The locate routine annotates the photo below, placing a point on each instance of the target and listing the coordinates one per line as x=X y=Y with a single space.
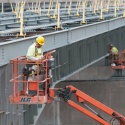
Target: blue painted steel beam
x=62 y=23
x=12 y=49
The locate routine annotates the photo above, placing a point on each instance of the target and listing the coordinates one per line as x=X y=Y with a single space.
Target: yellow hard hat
x=40 y=40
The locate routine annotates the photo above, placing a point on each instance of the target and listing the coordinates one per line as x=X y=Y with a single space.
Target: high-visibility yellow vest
x=34 y=52
x=114 y=51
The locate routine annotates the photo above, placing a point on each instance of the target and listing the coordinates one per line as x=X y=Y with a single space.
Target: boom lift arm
x=66 y=93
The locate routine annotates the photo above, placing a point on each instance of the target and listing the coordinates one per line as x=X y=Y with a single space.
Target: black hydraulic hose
x=94 y=112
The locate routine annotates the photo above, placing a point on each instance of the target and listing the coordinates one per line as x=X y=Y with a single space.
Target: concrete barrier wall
x=94 y=73
x=100 y=70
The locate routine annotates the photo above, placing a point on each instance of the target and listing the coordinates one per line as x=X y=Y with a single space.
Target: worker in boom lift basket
x=114 y=54
x=35 y=53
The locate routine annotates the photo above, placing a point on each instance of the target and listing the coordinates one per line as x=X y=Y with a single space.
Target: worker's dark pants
x=41 y=78
x=116 y=57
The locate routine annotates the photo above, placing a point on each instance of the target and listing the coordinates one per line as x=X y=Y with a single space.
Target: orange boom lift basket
x=20 y=83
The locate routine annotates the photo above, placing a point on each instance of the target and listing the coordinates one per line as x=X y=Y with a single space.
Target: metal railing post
x=69 y=9
x=83 y=17
x=95 y=5
x=12 y=7
x=51 y=6
x=28 y=5
x=115 y=10
x=101 y=12
x=39 y=8
x=107 y=8
x=32 y=6
x=124 y=11
x=36 y=6
x=78 y=8
x=55 y=11
x=48 y=13
x=58 y=19
x=2 y=7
